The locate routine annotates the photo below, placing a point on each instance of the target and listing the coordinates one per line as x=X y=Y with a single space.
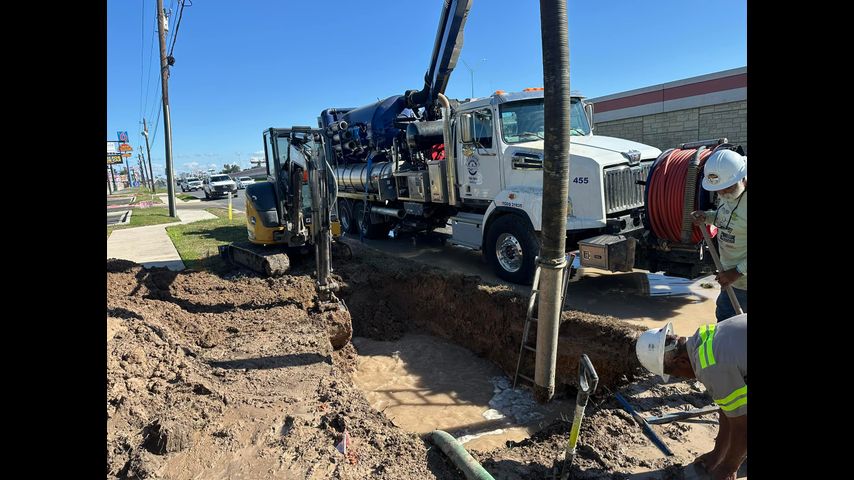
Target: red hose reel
x=666 y=194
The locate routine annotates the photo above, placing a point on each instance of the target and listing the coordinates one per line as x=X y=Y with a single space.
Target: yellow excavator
x=294 y=210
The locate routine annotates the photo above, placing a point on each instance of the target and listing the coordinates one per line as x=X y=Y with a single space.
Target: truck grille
x=621 y=189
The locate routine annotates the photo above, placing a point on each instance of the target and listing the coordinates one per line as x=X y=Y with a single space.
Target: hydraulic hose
x=665 y=194
x=458 y=454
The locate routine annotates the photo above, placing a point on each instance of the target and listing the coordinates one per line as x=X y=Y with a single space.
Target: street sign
x=125 y=148
x=123 y=137
x=114 y=158
x=127 y=155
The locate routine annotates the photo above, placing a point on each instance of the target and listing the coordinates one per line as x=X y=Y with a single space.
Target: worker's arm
x=711 y=460
x=703 y=217
x=736 y=452
x=727 y=277
x=727 y=388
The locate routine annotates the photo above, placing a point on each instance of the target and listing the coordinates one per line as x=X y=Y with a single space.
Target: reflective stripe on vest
x=732 y=401
x=707 y=335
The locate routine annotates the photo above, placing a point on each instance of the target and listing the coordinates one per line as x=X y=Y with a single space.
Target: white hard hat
x=723 y=169
x=650 y=349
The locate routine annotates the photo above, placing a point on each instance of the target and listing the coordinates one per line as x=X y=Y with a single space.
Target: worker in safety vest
x=716 y=355
x=725 y=172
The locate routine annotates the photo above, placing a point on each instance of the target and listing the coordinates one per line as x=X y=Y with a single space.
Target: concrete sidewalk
x=150 y=246
x=165 y=198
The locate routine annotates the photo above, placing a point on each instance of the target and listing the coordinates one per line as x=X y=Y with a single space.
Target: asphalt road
x=237 y=203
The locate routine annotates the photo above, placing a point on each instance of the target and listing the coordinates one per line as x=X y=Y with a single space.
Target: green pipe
x=461 y=458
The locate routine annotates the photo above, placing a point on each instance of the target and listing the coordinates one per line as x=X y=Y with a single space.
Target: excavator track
x=269 y=261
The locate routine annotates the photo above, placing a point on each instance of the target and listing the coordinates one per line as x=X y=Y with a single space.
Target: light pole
x=471 y=71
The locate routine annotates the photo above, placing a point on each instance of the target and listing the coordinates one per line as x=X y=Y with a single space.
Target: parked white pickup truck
x=218 y=186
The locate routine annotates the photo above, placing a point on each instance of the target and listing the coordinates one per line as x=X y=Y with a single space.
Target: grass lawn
x=145 y=216
x=197 y=242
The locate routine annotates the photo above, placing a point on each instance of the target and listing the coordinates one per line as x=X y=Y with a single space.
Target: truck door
x=478 y=161
x=522 y=122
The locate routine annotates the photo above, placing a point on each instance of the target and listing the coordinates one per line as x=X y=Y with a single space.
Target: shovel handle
x=587 y=378
x=729 y=291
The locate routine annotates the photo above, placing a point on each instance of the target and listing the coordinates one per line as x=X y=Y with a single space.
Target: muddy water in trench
x=423 y=383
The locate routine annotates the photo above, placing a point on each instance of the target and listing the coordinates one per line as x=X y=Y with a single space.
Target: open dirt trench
x=235 y=376
x=389 y=296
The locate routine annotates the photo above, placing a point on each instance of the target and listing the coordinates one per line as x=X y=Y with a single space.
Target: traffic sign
x=125 y=147
x=123 y=137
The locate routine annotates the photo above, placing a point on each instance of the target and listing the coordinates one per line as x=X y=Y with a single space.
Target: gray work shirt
x=718 y=354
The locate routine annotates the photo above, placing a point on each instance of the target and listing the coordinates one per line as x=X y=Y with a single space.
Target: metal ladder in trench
x=530 y=316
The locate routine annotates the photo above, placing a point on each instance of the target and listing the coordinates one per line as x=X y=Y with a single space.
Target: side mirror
x=588 y=109
x=467 y=127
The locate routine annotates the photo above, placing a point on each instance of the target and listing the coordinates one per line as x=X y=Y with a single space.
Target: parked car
x=190 y=184
x=243 y=181
x=218 y=186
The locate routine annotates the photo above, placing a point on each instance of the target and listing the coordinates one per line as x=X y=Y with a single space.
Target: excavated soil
x=237 y=376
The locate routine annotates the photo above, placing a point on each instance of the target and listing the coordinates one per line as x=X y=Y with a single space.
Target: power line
x=141 y=61
x=148 y=84
x=157 y=122
x=178 y=25
x=154 y=34
x=170 y=33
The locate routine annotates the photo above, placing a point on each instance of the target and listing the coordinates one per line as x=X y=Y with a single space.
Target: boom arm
x=446 y=51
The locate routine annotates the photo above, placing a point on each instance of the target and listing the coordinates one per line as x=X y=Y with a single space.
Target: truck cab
x=189 y=184
x=499 y=162
x=218 y=186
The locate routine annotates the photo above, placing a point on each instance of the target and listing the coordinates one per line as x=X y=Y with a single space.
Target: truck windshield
x=220 y=178
x=192 y=179
x=524 y=121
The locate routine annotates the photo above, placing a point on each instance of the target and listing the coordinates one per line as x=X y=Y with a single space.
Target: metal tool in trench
x=729 y=291
x=675 y=417
x=587 y=381
x=647 y=429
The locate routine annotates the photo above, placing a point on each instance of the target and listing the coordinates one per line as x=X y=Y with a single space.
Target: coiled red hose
x=665 y=195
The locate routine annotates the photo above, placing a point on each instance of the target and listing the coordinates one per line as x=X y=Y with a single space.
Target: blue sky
x=244 y=66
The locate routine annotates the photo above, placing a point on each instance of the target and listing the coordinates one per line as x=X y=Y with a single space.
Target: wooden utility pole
x=113 y=177
x=167 y=121
x=127 y=170
x=148 y=149
x=141 y=168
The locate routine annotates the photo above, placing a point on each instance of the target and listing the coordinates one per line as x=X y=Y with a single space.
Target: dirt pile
x=216 y=378
x=236 y=376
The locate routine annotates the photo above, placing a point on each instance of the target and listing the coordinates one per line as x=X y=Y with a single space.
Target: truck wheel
x=511 y=248
x=368 y=229
x=345 y=216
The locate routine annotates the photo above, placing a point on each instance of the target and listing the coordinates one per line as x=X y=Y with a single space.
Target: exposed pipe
x=391 y=212
x=342 y=125
x=356 y=176
x=461 y=458
x=450 y=164
x=552 y=259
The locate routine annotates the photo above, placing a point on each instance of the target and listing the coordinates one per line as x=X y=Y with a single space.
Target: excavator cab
x=294 y=209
